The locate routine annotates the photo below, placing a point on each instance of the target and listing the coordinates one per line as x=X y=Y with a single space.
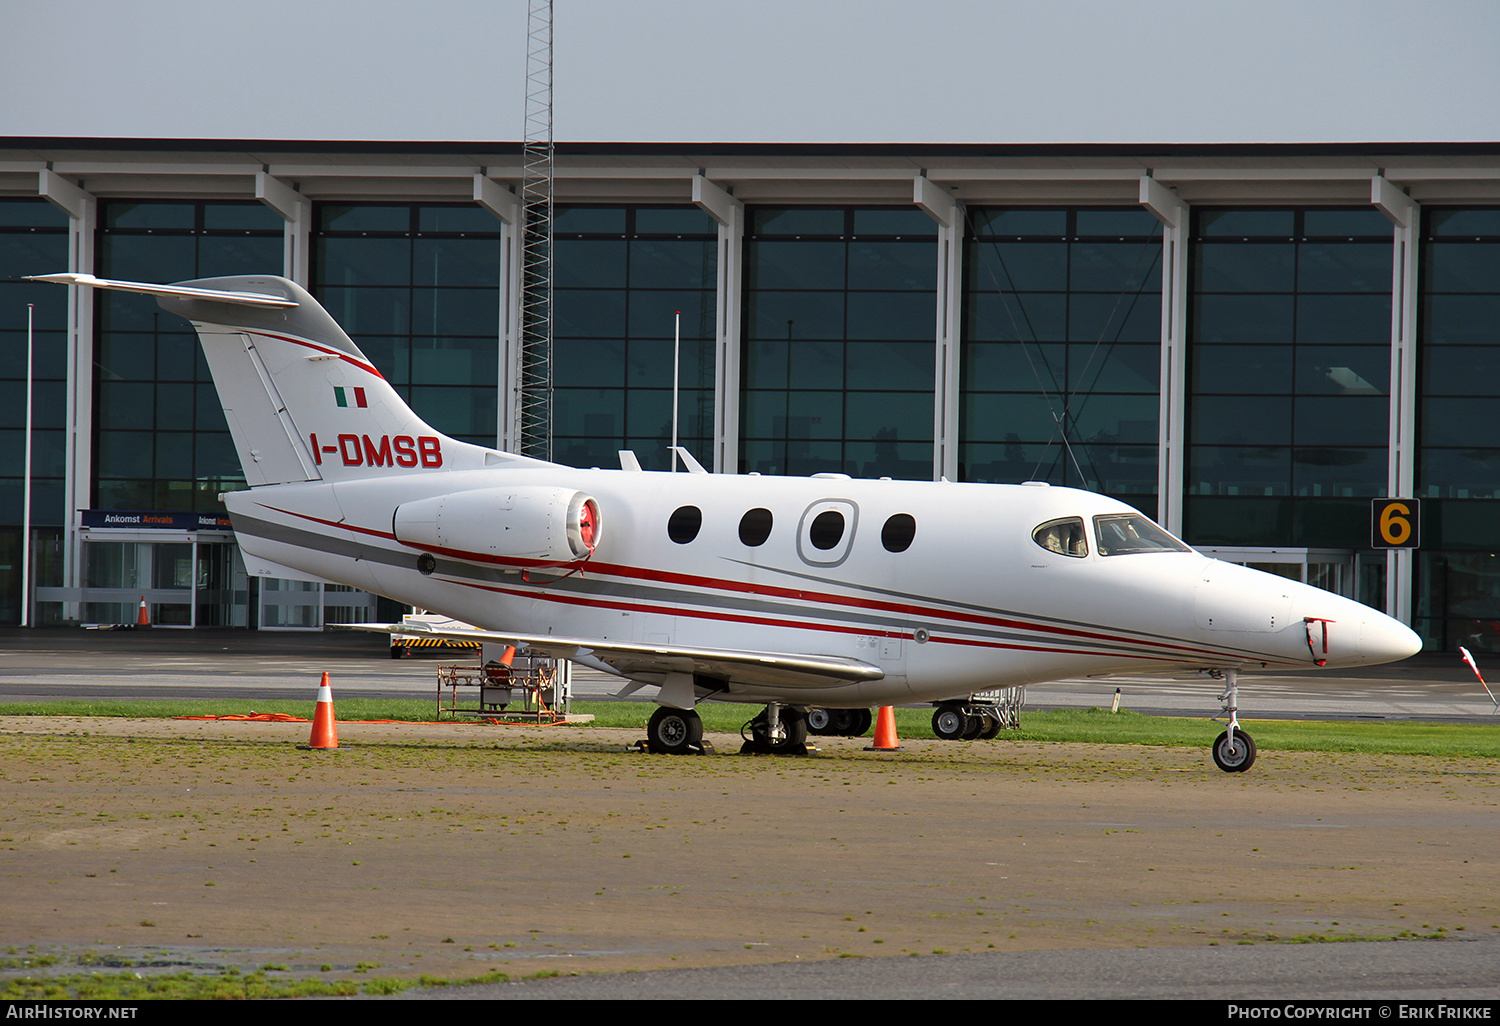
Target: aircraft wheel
x=820 y=721
x=794 y=730
x=673 y=731
x=1236 y=757
x=842 y=724
x=949 y=722
x=795 y=725
x=973 y=725
x=991 y=727
x=862 y=721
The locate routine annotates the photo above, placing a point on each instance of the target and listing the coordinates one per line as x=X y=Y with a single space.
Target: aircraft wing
x=639 y=659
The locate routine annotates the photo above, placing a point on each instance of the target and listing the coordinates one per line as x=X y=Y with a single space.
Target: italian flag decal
x=342 y=397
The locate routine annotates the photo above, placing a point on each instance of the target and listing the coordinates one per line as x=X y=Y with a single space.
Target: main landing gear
x=674 y=732
x=959 y=721
x=838 y=722
x=777 y=730
x=1234 y=750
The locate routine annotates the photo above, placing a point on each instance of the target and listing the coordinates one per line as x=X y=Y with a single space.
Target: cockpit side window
x=1066 y=537
x=1123 y=534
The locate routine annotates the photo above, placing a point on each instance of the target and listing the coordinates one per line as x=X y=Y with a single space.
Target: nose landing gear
x=1234 y=750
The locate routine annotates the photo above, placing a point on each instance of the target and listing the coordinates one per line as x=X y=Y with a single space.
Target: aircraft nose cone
x=1385 y=640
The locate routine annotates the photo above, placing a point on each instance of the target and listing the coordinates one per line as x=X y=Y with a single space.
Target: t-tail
x=303 y=403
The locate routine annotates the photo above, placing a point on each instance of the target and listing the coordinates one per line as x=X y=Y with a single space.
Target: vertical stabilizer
x=303 y=403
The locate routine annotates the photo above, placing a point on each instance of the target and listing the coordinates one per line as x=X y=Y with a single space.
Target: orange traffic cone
x=143 y=618
x=885 y=731
x=323 y=733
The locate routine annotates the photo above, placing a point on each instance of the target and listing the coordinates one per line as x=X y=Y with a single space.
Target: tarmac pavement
x=70 y=662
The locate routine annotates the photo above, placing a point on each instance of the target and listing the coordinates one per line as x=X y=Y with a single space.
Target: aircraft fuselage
x=973 y=601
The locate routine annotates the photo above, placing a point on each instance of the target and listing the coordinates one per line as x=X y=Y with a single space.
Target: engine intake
x=538 y=525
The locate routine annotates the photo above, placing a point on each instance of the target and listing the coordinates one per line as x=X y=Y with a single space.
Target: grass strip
x=1087 y=726
x=227 y=985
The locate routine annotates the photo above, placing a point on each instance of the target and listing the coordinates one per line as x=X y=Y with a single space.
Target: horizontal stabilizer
x=636 y=659
x=217 y=295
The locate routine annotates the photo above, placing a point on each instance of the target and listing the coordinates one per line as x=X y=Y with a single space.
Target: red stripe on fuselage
x=595 y=603
x=770 y=591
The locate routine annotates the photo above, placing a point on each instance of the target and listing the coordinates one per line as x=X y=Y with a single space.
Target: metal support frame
x=296 y=210
x=506 y=206
x=1406 y=216
x=534 y=386
x=948 y=212
x=718 y=203
x=82 y=210
x=1171 y=448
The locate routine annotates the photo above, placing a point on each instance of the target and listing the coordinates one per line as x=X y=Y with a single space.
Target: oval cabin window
x=755 y=527
x=827 y=529
x=684 y=523
x=898 y=532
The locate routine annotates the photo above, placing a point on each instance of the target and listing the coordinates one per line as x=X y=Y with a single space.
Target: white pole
x=26 y=489
x=676 y=356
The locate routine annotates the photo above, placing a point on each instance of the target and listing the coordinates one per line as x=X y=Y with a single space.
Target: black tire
x=1235 y=758
x=674 y=731
x=863 y=719
x=820 y=721
x=793 y=725
x=397 y=651
x=843 y=722
x=973 y=726
x=991 y=727
x=949 y=721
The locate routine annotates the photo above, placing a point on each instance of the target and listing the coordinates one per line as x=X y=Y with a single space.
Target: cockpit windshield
x=1123 y=534
x=1066 y=537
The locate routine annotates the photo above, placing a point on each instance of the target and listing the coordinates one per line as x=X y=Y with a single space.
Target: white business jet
x=796 y=593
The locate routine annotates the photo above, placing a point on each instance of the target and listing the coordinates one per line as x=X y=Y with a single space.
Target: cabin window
x=827 y=529
x=898 y=532
x=684 y=523
x=1121 y=534
x=755 y=527
x=1066 y=537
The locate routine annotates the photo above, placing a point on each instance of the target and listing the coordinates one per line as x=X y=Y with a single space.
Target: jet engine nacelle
x=544 y=526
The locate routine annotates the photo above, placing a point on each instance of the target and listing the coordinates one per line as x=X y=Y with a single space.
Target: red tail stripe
x=322 y=349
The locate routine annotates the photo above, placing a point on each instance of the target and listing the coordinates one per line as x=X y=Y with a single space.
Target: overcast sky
x=962 y=71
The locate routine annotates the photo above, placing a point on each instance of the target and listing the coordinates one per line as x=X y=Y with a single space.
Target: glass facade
x=1061 y=349
x=840 y=317
x=621 y=277
x=1289 y=327
x=160 y=438
x=33 y=240
x=1458 y=450
x=417 y=287
x=1287 y=385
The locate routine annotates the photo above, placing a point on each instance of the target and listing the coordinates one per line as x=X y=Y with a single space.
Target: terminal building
x=1250 y=343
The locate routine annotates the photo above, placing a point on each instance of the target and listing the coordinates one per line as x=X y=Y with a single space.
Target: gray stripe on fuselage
x=658 y=596
x=906 y=596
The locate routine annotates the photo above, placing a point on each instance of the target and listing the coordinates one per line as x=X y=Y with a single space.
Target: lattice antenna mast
x=534 y=401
